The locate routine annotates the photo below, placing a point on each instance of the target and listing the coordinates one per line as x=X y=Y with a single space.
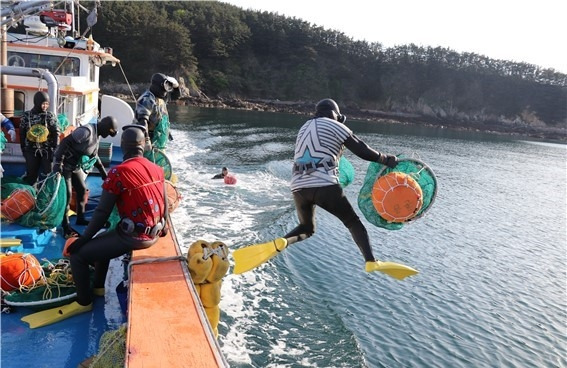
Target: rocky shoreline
x=514 y=128
x=304 y=108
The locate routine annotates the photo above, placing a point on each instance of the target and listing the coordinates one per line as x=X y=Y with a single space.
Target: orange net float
x=173 y=196
x=67 y=244
x=397 y=197
x=230 y=179
x=17 y=204
x=19 y=270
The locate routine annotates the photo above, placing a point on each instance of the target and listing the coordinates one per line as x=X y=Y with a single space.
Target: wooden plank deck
x=167 y=326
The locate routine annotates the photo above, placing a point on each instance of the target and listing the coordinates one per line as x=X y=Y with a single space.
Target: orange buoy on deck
x=19 y=269
x=397 y=197
x=17 y=204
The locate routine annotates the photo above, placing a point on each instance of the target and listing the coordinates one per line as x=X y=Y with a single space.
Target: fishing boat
x=151 y=310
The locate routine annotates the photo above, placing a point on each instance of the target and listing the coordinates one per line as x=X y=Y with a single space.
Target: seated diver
x=137 y=188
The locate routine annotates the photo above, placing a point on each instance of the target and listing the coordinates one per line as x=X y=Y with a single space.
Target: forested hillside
x=226 y=52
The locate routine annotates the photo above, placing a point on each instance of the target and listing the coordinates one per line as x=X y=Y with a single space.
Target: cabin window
x=59 y=65
x=19 y=103
x=80 y=105
x=92 y=73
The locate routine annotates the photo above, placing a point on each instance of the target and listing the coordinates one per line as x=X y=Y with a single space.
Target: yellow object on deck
x=165 y=313
x=10 y=242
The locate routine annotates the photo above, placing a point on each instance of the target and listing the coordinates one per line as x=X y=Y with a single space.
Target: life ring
x=17 y=204
x=397 y=197
x=16 y=60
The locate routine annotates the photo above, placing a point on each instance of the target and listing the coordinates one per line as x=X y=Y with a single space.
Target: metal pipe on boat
x=7 y=97
x=12 y=13
x=52 y=86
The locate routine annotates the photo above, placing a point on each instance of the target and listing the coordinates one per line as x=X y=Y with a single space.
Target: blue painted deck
x=67 y=343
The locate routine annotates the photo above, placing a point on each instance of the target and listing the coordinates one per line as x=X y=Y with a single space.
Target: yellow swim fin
x=396 y=270
x=252 y=256
x=53 y=315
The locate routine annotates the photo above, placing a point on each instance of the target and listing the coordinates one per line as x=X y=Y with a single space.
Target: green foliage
x=226 y=51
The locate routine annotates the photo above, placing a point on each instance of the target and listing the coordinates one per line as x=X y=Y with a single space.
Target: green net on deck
x=346 y=172
x=112 y=349
x=86 y=163
x=12 y=183
x=159 y=158
x=50 y=204
x=113 y=219
x=54 y=288
x=161 y=133
x=3 y=142
x=63 y=122
x=417 y=169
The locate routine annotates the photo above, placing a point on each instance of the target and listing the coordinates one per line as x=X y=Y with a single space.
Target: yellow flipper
x=396 y=270
x=53 y=315
x=252 y=256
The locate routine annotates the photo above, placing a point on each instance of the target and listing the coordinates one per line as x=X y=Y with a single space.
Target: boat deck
x=167 y=326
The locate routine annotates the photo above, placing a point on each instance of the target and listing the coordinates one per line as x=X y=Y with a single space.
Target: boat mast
x=12 y=14
x=7 y=94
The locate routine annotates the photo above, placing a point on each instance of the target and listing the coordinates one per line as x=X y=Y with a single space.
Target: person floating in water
x=229 y=179
x=223 y=173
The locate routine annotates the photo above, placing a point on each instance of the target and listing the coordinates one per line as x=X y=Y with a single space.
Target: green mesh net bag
x=12 y=183
x=346 y=172
x=50 y=204
x=54 y=289
x=63 y=122
x=113 y=219
x=159 y=158
x=411 y=174
x=3 y=142
x=161 y=133
x=112 y=349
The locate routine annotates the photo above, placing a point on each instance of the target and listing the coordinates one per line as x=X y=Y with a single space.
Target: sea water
x=491 y=251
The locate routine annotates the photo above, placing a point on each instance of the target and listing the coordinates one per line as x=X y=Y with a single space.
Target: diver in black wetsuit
x=67 y=160
x=318 y=149
x=222 y=174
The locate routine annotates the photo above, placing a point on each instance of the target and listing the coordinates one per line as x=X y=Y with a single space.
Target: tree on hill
x=229 y=52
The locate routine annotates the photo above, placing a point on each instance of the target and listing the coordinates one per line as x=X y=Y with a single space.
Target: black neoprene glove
x=388 y=160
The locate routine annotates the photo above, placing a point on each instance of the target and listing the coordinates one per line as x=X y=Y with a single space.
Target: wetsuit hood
x=158 y=85
x=38 y=99
x=328 y=108
x=133 y=141
x=108 y=126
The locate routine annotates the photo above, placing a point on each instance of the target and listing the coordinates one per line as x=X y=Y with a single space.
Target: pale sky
x=533 y=31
